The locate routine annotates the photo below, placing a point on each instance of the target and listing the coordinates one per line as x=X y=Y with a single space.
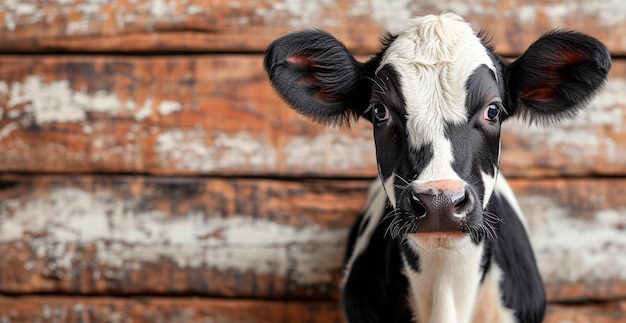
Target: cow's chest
x=448 y=287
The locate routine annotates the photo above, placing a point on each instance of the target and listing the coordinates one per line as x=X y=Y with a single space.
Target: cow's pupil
x=492 y=112
x=380 y=112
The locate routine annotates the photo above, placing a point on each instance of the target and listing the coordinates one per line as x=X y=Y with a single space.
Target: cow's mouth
x=440 y=240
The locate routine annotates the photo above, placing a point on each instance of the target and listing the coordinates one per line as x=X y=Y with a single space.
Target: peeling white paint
x=161 y=8
x=66 y=219
x=195 y=150
x=94 y=15
x=571 y=249
x=6 y=130
x=330 y=151
x=581 y=138
x=194 y=9
x=145 y=111
x=609 y=13
x=49 y=102
x=300 y=14
x=57 y=102
x=4 y=88
x=393 y=15
x=167 y=107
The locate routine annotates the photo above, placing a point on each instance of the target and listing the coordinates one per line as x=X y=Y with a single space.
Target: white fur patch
x=434 y=59
x=375 y=209
x=439 y=292
x=491 y=308
x=490 y=184
x=504 y=190
x=440 y=167
x=388 y=185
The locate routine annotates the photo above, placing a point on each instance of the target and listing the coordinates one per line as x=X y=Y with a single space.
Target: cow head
x=437 y=95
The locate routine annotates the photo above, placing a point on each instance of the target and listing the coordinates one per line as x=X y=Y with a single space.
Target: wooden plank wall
x=148 y=173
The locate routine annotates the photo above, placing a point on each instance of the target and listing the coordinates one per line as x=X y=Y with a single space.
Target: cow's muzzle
x=440 y=206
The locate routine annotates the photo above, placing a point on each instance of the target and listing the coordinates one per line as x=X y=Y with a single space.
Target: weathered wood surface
x=52 y=309
x=224 y=25
x=578 y=230
x=256 y=238
x=246 y=238
x=217 y=114
x=154 y=309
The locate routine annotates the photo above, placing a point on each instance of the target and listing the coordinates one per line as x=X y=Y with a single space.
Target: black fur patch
x=522 y=287
x=410 y=256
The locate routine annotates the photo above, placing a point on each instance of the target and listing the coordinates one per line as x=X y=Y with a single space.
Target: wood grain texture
x=204 y=25
x=256 y=238
x=578 y=231
x=135 y=235
x=53 y=309
x=218 y=115
x=156 y=310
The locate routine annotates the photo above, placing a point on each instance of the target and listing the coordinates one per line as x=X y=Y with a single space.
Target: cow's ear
x=556 y=76
x=317 y=76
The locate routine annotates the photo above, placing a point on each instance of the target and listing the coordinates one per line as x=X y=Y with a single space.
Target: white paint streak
x=393 y=14
x=300 y=14
x=194 y=150
x=571 y=249
x=126 y=237
x=49 y=102
x=609 y=13
x=6 y=130
x=89 y=16
x=329 y=150
x=4 y=88
x=161 y=8
x=58 y=102
x=167 y=107
x=145 y=111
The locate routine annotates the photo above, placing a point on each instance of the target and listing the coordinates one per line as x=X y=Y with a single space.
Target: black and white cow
x=442 y=239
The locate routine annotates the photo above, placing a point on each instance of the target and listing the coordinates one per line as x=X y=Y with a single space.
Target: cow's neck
x=444 y=289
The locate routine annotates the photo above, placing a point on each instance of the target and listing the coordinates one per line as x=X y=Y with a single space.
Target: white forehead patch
x=434 y=58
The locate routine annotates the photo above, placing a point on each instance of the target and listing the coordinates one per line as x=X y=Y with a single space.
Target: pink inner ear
x=569 y=58
x=325 y=97
x=301 y=59
x=545 y=93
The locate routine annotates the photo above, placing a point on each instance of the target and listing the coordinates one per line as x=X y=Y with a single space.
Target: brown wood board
x=217 y=114
x=203 y=25
x=261 y=238
x=51 y=309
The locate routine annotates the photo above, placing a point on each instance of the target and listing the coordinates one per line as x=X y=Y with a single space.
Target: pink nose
x=441 y=205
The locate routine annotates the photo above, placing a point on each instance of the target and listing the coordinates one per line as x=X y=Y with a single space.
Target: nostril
x=418 y=207
x=465 y=201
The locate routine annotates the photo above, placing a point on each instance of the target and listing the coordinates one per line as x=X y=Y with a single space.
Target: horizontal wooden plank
x=201 y=25
x=259 y=238
x=611 y=312
x=578 y=230
x=250 y=238
x=219 y=115
x=48 y=309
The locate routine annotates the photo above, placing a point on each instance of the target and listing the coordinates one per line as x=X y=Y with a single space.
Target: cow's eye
x=381 y=113
x=492 y=111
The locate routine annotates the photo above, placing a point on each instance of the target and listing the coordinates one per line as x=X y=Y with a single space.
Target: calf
x=442 y=238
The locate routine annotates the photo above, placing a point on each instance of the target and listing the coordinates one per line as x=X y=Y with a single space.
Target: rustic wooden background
x=148 y=173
